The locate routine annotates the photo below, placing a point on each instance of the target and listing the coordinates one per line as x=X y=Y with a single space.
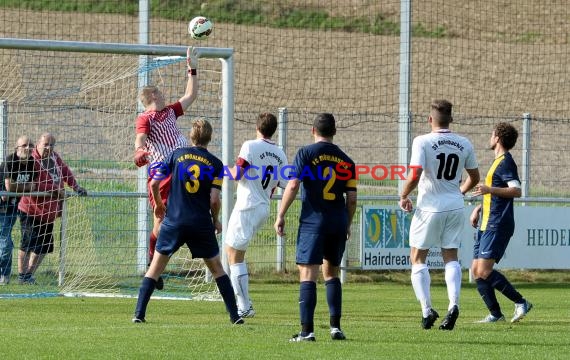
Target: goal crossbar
x=112 y=48
x=225 y=55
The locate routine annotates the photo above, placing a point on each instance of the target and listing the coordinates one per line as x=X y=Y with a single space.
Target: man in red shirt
x=157 y=134
x=39 y=212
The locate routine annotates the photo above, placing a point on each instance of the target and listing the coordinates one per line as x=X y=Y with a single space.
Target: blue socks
x=307 y=305
x=489 y=298
x=500 y=282
x=486 y=288
x=145 y=292
x=334 y=300
x=227 y=291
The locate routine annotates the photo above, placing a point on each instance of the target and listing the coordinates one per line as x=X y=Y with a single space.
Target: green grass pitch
x=381 y=321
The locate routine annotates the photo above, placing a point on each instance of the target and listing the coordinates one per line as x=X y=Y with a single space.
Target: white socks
x=240 y=283
x=421 y=283
x=453 y=281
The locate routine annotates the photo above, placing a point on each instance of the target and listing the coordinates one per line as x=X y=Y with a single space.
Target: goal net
x=88 y=101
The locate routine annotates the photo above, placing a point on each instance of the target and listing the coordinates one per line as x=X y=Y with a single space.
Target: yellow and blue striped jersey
x=498 y=211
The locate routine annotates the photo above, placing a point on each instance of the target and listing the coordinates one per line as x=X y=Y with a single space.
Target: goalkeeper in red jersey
x=157 y=134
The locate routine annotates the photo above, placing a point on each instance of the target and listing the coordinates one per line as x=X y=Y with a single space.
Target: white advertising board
x=541 y=239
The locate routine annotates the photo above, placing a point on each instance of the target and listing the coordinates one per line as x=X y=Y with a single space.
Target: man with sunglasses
x=17 y=174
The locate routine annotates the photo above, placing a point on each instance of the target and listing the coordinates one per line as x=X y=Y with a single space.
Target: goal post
x=220 y=111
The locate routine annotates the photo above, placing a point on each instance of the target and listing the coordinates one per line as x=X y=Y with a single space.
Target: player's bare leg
x=152 y=245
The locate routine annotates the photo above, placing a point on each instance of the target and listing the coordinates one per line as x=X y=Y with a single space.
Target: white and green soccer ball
x=200 y=27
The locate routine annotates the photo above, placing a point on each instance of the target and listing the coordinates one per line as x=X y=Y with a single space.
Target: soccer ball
x=200 y=28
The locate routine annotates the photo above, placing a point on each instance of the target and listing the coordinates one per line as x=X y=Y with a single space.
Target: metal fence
x=377 y=72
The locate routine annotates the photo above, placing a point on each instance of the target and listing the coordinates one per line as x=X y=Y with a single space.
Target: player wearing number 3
x=258 y=169
x=192 y=216
x=439 y=219
x=324 y=225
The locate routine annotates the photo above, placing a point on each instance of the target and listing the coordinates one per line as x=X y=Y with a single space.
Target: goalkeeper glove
x=192 y=60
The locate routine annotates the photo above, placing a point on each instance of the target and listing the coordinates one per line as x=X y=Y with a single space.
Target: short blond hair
x=145 y=95
x=201 y=132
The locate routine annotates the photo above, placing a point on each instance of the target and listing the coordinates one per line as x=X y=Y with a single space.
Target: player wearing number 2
x=324 y=225
x=258 y=169
x=438 y=221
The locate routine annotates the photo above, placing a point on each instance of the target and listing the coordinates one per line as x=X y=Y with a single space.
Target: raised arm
x=192 y=85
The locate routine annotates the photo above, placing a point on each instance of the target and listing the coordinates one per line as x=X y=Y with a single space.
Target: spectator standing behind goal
x=38 y=213
x=437 y=162
x=258 y=173
x=157 y=134
x=192 y=216
x=17 y=175
x=497 y=225
x=326 y=174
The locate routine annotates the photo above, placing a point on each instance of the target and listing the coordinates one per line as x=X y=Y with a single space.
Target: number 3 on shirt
x=192 y=185
x=330 y=175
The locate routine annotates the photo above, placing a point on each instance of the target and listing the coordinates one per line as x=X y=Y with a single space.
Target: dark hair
x=507 y=135
x=267 y=124
x=441 y=112
x=324 y=124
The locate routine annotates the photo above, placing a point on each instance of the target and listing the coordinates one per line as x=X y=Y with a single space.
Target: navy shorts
x=492 y=244
x=202 y=244
x=37 y=237
x=313 y=248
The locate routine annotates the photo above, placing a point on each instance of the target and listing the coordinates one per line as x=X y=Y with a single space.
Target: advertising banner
x=541 y=239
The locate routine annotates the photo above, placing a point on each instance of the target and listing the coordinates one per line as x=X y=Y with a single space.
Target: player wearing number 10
x=324 y=225
x=257 y=173
x=439 y=219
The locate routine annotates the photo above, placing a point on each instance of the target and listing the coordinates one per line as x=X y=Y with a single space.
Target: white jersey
x=442 y=156
x=265 y=165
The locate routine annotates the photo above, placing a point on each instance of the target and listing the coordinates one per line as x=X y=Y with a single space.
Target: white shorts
x=437 y=230
x=243 y=224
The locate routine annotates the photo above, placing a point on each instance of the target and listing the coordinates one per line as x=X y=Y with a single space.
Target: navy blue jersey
x=498 y=211
x=195 y=171
x=326 y=173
